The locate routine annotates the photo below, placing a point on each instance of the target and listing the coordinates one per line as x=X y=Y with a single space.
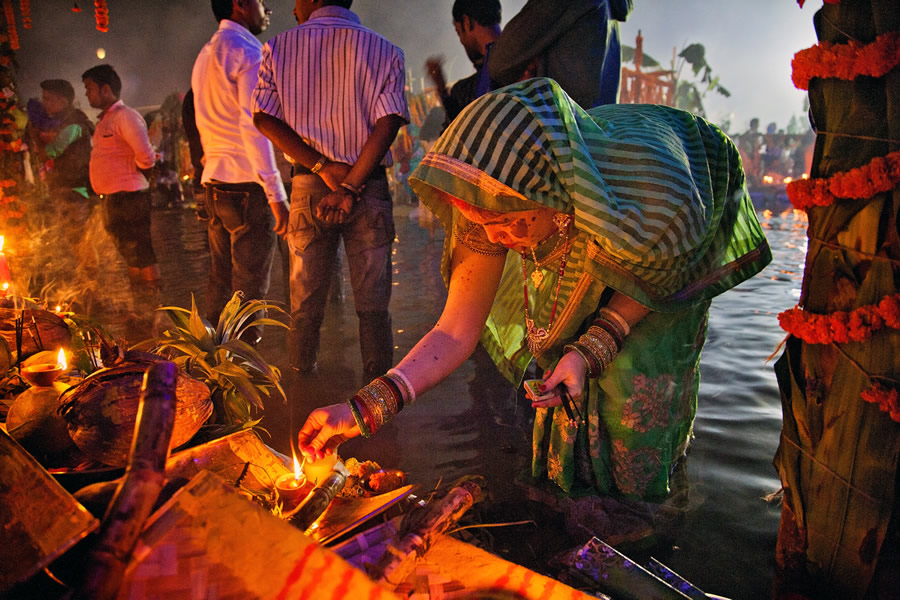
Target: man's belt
x=298 y=169
x=247 y=186
x=117 y=195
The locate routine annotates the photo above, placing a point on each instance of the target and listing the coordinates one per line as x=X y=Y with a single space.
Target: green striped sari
x=661 y=215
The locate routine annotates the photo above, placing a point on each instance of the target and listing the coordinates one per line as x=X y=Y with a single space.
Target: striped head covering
x=658 y=195
x=659 y=191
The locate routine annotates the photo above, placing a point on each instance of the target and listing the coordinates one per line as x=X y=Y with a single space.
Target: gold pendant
x=536 y=336
x=537 y=278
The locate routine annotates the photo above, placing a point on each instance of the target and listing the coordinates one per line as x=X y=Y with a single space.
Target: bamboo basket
x=209 y=542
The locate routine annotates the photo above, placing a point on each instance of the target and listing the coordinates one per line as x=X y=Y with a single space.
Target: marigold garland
x=13 y=146
x=841 y=326
x=887 y=399
x=882 y=174
x=101 y=14
x=11 y=24
x=25 y=8
x=846 y=61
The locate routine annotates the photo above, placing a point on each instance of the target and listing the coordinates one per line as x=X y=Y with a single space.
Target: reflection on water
x=472 y=424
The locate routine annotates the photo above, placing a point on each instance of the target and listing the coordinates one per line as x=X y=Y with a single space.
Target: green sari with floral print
x=661 y=215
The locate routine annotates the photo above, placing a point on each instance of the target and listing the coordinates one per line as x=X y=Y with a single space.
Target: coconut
x=41 y=330
x=101 y=411
x=34 y=422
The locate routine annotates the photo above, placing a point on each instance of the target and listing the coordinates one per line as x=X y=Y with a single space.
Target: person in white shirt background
x=245 y=197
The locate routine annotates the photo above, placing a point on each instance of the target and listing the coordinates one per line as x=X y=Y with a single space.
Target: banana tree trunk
x=838 y=454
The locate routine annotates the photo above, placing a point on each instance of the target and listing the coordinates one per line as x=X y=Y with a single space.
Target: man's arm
x=286 y=139
x=336 y=206
x=377 y=145
x=256 y=146
x=133 y=130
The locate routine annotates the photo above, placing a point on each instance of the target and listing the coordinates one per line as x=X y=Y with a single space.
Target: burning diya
x=291 y=489
x=44 y=374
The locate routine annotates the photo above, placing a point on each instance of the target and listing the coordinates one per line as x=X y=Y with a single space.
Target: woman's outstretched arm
x=474 y=281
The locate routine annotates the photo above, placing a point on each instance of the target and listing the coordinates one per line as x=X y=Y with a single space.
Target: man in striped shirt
x=331 y=96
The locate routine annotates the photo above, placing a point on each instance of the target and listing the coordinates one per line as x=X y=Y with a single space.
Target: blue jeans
x=241 y=244
x=368 y=234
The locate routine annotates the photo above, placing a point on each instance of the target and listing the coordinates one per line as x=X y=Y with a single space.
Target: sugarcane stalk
x=136 y=495
x=319 y=498
x=399 y=558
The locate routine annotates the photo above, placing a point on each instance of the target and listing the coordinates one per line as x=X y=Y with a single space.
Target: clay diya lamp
x=43 y=375
x=290 y=490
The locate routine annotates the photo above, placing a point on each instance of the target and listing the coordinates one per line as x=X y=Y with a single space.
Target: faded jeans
x=241 y=244
x=368 y=234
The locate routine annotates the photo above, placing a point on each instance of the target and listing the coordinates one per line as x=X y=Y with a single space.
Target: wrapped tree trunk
x=144 y=478
x=838 y=453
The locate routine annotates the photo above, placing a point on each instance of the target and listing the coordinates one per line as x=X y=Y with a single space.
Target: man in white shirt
x=121 y=147
x=331 y=96
x=245 y=197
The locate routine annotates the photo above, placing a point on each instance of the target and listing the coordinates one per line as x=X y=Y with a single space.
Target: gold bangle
x=319 y=164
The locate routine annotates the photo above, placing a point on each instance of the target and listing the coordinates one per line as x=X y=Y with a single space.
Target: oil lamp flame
x=298 y=471
x=1 y=242
x=61 y=359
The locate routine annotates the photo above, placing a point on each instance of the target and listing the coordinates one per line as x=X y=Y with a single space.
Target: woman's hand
x=569 y=372
x=325 y=429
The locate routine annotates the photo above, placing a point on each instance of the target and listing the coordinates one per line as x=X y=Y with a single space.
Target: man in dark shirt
x=69 y=146
x=575 y=42
x=477 y=24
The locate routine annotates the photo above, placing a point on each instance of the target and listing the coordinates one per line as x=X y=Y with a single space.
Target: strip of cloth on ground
x=661 y=215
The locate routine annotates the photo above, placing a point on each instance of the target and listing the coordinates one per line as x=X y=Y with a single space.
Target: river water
x=476 y=424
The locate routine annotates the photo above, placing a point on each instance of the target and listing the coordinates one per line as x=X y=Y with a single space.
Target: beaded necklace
x=536 y=336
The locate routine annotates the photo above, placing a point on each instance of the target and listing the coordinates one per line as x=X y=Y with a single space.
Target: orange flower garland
x=882 y=174
x=842 y=327
x=101 y=14
x=846 y=61
x=25 y=7
x=887 y=399
x=11 y=24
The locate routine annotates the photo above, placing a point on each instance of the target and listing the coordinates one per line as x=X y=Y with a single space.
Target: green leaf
x=646 y=60
x=230 y=369
x=228 y=312
x=249 y=355
x=248 y=391
x=695 y=55
x=201 y=329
